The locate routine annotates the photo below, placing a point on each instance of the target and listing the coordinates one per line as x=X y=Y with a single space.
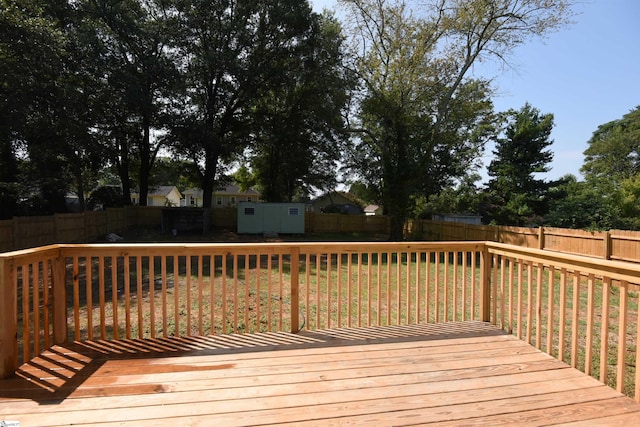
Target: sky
x=586 y=75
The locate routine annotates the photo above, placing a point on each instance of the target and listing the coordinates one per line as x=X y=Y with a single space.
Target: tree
x=230 y=51
x=517 y=196
x=422 y=121
x=45 y=95
x=296 y=144
x=461 y=198
x=141 y=77
x=28 y=50
x=613 y=152
x=579 y=205
x=608 y=198
x=168 y=171
x=367 y=194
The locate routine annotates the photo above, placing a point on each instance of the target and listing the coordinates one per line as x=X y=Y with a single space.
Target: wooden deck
x=451 y=374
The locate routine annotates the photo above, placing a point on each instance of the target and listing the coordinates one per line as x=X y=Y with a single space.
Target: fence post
x=56 y=227
x=607 y=245
x=295 y=289
x=59 y=306
x=485 y=285
x=540 y=237
x=8 y=320
x=16 y=234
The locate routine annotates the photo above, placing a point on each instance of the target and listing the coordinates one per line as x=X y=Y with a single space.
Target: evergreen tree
x=516 y=196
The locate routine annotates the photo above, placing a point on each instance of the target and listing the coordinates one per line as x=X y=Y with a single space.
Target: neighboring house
x=164 y=195
x=373 y=210
x=466 y=219
x=229 y=196
x=337 y=202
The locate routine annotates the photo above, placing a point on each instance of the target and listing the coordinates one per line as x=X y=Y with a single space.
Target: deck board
x=450 y=374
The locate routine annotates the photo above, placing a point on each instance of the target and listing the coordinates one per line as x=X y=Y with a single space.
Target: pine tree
x=516 y=195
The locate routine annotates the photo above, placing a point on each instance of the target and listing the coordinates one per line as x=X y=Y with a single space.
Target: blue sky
x=586 y=75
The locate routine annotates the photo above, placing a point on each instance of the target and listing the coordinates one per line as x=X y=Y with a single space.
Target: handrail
x=563 y=304
x=121 y=291
x=582 y=310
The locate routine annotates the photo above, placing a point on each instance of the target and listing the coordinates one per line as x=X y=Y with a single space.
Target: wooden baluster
x=139 y=296
x=622 y=336
x=152 y=295
x=550 y=310
x=604 y=330
x=574 y=319
x=295 y=289
x=563 y=313
x=101 y=298
x=590 y=321
x=76 y=299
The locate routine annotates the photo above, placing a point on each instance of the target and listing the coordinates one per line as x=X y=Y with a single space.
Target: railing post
x=8 y=320
x=295 y=288
x=485 y=285
x=59 y=307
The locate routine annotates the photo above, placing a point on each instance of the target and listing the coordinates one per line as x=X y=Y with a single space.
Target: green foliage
x=422 y=121
x=464 y=198
x=244 y=178
x=45 y=103
x=367 y=193
x=609 y=196
x=240 y=63
x=133 y=41
x=169 y=171
x=580 y=205
x=296 y=146
x=105 y=197
x=94 y=85
x=515 y=195
x=613 y=154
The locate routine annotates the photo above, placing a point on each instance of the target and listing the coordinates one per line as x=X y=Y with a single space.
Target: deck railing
x=581 y=310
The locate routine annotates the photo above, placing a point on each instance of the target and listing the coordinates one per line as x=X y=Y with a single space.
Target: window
x=249 y=211
x=149 y=201
x=233 y=200
x=294 y=211
x=219 y=201
x=192 y=200
x=249 y=199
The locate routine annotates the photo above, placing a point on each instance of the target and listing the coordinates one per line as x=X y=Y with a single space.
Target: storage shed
x=258 y=218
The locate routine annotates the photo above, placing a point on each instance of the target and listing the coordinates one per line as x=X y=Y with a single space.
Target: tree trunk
x=396 y=185
x=208 y=185
x=146 y=162
x=122 y=162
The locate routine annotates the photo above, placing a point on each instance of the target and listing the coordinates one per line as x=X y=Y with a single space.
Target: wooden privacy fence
x=25 y=232
x=621 y=245
x=90 y=226
x=578 y=309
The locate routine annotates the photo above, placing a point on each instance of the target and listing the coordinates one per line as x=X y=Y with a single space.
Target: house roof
x=164 y=190
x=371 y=208
x=348 y=196
x=160 y=191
